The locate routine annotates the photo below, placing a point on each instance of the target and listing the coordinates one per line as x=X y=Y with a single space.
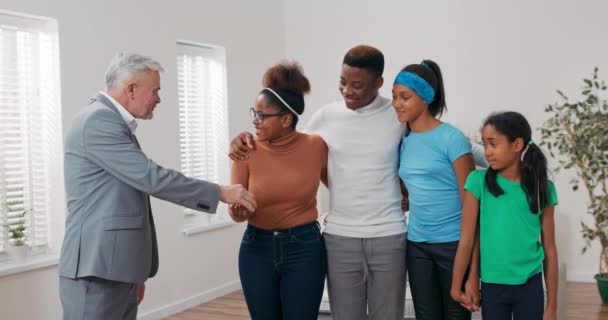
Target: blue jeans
x=283 y=272
x=518 y=302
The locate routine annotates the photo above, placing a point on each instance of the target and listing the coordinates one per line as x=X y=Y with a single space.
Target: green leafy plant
x=577 y=132
x=16 y=231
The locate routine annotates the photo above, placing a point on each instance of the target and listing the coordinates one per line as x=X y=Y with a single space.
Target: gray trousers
x=93 y=298
x=366 y=277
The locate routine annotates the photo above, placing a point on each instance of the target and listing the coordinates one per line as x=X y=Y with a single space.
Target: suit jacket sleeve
x=108 y=143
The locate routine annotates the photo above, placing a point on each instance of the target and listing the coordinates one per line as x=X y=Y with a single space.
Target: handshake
x=241 y=202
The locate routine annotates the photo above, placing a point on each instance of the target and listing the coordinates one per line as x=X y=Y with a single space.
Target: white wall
x=495 y=55
x=90 y=32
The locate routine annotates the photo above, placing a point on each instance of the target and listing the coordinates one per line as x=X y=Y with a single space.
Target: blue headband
x=416 y=84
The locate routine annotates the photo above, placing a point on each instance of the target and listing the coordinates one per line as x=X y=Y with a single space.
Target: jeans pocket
x=248 y=237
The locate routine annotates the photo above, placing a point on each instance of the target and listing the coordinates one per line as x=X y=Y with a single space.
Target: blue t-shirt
x=426 y=168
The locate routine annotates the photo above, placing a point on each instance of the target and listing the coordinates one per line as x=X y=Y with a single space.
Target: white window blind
x=203 y=119
x=30 y=126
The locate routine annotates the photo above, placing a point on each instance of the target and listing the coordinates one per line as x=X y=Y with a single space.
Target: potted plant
x=17 y=236
x=577 y=132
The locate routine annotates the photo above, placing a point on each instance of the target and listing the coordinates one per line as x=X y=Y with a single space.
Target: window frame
x=194 y=221
x=49 y=150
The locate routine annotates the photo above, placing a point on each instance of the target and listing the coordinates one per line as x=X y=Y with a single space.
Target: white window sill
x=38 y=261
x=196 y=228
x=43 y=260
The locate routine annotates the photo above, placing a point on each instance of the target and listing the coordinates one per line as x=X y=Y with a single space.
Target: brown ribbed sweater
x=284 y=176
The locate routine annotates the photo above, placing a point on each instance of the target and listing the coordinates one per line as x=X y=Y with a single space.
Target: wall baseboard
x=580 y=277
x=187 y=303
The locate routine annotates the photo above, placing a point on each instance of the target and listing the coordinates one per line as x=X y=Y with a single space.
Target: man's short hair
x=365 y=57
x=126 y=64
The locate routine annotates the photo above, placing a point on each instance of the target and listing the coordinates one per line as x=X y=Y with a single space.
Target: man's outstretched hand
x=237 y=194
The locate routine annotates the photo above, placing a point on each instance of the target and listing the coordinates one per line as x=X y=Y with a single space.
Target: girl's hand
x=472 y=293
x=550 y=314
x=465 y=300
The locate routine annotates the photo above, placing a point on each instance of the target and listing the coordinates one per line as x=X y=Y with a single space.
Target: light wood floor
x=583 y=304
x=231 y=306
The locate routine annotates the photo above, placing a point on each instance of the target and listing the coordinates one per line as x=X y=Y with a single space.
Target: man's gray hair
x=126 y=64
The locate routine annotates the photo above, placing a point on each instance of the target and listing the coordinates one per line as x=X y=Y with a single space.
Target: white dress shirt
x=126 y=116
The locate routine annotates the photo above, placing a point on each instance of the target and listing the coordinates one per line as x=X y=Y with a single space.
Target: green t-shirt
x=510 y=247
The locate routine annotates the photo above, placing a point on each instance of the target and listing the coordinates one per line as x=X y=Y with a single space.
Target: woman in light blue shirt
x=435 y=160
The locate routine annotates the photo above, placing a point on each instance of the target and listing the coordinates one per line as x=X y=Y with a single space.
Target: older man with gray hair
x=109 y=249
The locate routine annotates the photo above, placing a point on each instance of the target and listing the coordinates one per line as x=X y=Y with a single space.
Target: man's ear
x=379 y=82
x=130 y=88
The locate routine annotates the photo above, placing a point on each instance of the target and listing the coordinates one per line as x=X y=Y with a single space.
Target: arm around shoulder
x=322 y=152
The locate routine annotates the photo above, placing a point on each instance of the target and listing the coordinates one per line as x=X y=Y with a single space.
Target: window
x=203 y=120
x=31 y=170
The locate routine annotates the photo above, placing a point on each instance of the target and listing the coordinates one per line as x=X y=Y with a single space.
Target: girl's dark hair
x=288 y=81
x=431 y=73
x=534 y=179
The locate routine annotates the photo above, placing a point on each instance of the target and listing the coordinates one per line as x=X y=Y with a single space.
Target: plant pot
x=602 y=286
x=17 y=253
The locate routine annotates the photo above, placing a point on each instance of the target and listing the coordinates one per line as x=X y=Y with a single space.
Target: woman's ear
x=286 y=121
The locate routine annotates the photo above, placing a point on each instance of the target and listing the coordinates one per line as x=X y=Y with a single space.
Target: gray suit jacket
x=109 y=231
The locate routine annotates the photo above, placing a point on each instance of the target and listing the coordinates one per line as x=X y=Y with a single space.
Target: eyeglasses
x=259 y=117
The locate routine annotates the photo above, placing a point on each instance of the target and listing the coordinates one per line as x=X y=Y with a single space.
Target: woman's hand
x=239 y=213
x=458 y=296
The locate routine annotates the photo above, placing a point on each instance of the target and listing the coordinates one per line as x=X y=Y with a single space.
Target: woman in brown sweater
x=282 y=261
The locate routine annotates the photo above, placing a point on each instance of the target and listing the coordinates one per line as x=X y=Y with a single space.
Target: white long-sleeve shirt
x=363 y=160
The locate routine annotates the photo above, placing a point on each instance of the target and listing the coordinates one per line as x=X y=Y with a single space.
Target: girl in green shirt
x=514 y=202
